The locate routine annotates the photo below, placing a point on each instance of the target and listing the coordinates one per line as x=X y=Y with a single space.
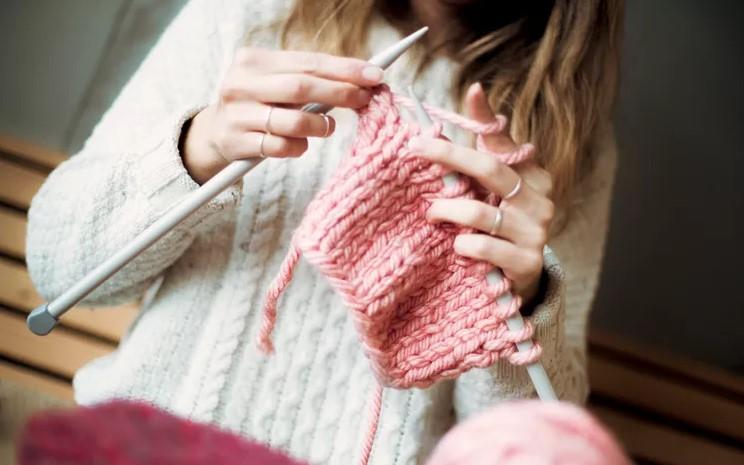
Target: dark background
x=672 y=274
x=674 y=265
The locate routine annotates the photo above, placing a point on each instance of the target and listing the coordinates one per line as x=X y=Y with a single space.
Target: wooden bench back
x=45 y=363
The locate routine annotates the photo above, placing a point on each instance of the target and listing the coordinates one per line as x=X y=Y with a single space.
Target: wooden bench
x=665 y=410
x=44 y=363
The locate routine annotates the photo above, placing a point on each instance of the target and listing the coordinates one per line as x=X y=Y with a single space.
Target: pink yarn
x=423 y=312
x=375 y=406
x=529 y=433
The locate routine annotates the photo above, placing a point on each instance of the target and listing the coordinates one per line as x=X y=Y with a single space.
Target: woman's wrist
x=199 y=157
x=535 y=294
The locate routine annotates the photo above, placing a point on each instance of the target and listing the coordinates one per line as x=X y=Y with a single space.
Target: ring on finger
x=261 y=146
x=513 y=193
x=496 y=224
x=267 y=123
x=327 y=120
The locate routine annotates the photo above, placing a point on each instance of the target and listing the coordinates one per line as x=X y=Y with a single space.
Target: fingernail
x=458 y=243
x=415 y=144
x=372 y=73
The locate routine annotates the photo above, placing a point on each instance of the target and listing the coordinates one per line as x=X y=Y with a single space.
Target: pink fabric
x=423 y=312
x=134 y=433
x=529 y=433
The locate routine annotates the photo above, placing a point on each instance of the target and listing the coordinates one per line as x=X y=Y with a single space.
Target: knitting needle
x=44 y=317
x=536 y=371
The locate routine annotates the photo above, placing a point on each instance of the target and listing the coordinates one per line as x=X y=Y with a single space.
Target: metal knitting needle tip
x=386 y=57
x=383 y=59
x=536 y=371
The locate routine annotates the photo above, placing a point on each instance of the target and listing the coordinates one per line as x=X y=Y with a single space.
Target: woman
x=202 y=98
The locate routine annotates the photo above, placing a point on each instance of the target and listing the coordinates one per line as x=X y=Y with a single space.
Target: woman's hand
x=261 y=94
x=516 y=246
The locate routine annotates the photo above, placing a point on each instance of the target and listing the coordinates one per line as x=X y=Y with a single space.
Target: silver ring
x=514 y=191
x=260 y=146
x=327 y=120
x=497 y=220
x=267 y=124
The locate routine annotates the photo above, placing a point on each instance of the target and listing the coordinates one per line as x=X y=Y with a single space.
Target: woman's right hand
x=259 y=79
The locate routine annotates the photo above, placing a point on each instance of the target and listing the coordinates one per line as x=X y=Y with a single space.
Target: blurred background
x=667 y=339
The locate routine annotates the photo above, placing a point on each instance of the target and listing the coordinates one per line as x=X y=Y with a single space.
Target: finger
x=514 y=226
x=350 y=70
x=518 y=264
x=495 y=176
x=254 y=116
x=477 y=107
x=250 y=144
x=536 y=177
x=294 y=89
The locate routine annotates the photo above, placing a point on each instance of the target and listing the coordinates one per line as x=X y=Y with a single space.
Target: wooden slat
x=37 y=381
x=18 y=184
x=12 y=232
x=60 y=352
x=35 y=153
x=17 y=291
x=660 y=444
x=658 y=394
x=635 y=351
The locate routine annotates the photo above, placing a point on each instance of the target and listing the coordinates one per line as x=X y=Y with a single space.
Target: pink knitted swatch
x=423 y=312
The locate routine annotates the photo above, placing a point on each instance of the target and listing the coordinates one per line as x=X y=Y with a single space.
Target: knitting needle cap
x=40 y=321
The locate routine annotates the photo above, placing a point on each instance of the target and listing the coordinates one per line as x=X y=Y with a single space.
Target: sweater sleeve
x=129 y=171
x=560 y=319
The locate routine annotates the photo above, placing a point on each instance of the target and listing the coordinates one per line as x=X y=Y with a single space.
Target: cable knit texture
x=424 y=313
x=191 y=350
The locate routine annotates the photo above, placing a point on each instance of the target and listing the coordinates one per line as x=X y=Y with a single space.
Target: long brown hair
x=550 y=65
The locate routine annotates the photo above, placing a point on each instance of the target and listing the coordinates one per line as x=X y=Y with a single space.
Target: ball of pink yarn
x=529 y=433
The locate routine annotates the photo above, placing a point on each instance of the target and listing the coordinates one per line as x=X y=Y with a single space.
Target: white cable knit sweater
x=191 y=350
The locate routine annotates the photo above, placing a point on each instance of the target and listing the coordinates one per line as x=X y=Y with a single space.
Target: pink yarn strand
x=375 y=408
x=280 y=283
x=495 y=127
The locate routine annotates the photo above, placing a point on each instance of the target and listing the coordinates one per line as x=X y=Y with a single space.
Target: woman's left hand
x=516 y=245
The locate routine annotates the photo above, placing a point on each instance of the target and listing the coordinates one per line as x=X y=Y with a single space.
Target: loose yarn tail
x=272 y=298
x=375 y=408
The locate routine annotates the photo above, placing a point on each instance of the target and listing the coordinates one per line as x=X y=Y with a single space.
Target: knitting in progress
x=423 y=312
